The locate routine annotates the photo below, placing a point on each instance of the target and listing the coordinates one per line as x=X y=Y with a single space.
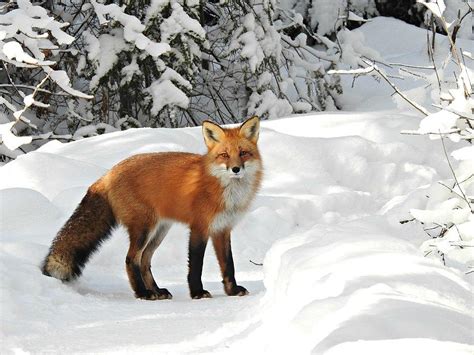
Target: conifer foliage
x=79 y=68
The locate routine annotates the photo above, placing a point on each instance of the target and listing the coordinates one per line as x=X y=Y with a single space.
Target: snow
x=132 y=28
x=268 y=102
x=353 y=46
x=251 y=48
x=466 y=153
x=439 y=215
x=164 y=92
x=180 y=23
x=129 y=71
x=439 y=122
x=28 y=17
x=104 y=51
x=340 y=273
x=325 y=13
x=10 y=140
x=13 y=50
x=21 y=26
x=60 y=77
x=329 y=254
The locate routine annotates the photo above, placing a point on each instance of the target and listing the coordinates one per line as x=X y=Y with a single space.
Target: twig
x=442 y=257
x=450 y=189
x=415 y=133
x=258 y=264
x=432 y=228
x=15 y=86
x=431 y=57
x=19 y=114
x=460 y=238
x=469 y=177
x=10 y=80
x=384 y=76
x=464 y=63
x=411 y=66
x=378 y=61
x=454 y=175
x=45 y=136
x=413 y=73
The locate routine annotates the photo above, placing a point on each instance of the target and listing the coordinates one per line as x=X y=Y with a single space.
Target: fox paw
x=237 y=291
x=163 y=294
x=160 y=294
x=200 y=294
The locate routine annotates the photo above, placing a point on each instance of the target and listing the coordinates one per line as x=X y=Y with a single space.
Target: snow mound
x=339 y=273
x=336 y=285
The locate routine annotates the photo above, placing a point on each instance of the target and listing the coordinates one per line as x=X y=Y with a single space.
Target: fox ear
x=250 y=129
x=213 y=133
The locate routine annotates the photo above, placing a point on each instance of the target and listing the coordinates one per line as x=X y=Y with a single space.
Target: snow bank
x=343 y=273
x=359 y=288
x=399 y=43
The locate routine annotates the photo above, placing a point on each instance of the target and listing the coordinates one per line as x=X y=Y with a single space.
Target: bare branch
x=258 y=264
x=16 y=86
x=412 y=66
x=454 y=175
x=384 y=76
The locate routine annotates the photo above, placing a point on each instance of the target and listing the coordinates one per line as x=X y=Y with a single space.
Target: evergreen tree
x=256 y=67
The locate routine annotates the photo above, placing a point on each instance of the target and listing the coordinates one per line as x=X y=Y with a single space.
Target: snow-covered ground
x=341 y=275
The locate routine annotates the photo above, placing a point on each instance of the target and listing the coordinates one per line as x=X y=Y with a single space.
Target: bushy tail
x=89 y=225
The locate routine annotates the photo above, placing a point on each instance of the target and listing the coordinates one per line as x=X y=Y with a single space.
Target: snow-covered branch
x=29 y=37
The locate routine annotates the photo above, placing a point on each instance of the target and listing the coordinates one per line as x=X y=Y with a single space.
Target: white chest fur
x=237 y=196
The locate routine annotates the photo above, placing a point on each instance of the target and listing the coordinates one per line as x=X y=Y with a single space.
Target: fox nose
x=235 y=169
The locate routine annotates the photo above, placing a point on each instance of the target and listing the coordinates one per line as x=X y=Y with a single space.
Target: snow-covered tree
x=159 y=63
x=327 y=17
x=142 y=59
x=254 y=65
x=31 y=43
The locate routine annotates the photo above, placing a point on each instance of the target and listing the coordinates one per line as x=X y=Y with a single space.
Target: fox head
x=233 y=152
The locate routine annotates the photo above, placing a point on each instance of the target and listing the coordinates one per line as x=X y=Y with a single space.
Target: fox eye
x=243 y=153
x=224 y=155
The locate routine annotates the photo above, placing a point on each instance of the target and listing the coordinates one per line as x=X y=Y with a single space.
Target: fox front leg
x=197 y=247
x=222 y=246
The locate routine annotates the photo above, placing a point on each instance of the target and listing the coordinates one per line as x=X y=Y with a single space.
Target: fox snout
x=225 y=172
x=237 y=172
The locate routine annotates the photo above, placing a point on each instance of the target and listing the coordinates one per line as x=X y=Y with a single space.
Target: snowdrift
x=340 y=273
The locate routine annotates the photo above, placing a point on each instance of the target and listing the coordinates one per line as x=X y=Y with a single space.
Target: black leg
x=197 y=247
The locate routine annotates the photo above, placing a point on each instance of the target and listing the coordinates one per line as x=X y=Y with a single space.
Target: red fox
x=146 y=193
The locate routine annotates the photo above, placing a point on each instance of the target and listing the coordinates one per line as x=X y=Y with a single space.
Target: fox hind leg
x=154 y=241
x=138 y=240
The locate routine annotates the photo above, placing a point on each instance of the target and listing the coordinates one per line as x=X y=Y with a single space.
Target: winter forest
x=361 y=236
